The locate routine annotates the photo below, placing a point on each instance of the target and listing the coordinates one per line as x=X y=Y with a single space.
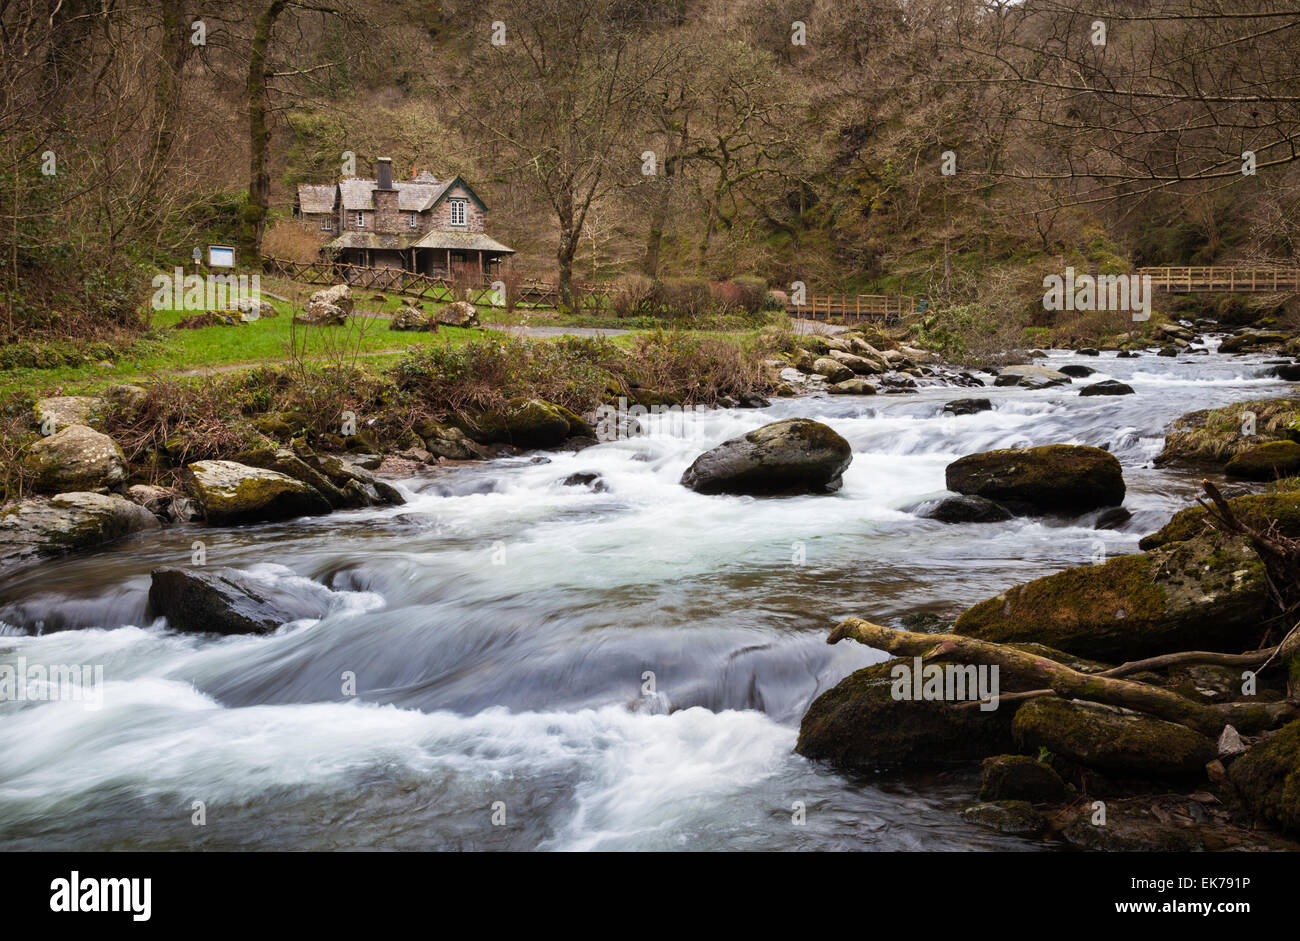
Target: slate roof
x=457 y=240
x=314 y=197
x=372 y=240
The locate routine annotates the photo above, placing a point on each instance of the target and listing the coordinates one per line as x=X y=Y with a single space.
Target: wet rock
x=1111 y=740
x=359 y=486
x=1031 y=377
x=1267 y=779
x=458 y=314
x=753 y=400
x=1019 y=778
x=851 y=387
x=1252 y=340
x=412 y=319
x=862 y=365
x=796 y=455
x=968 y=406
x=232 y=494
x=1287 y=371
x=1265 y=461
x=448 y=441
x=1126 y=831
x=1015 y=817
x=51 y=526
x=1113 y=518
x=286 y=462
x=224 y=601
x=966 y=509
x=1087 y=351
x=1107 y=387
x=586 y=480
x=1127 y=354
x=832 y=370
x=74 y=459
x=857 y=725
x=1207 y=593
x=1169 y=351
x=170 y=505
x=1076 y=371
x=1051 y=478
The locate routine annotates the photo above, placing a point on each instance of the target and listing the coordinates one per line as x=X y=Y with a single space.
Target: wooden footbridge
x=884 y=308
x=1223 y=279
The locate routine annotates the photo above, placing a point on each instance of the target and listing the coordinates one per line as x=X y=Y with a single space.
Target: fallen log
x=1037 y=671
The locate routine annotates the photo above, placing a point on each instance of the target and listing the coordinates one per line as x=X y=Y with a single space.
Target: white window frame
x=326 y=224
x=360 y=219
x=463 y=206
x=413 y=219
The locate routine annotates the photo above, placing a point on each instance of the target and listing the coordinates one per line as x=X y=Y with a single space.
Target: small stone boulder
x=1267 y=779
x=1019 y=778
x=328 y=308
x=851 y=387
x=458 y=314
x=526 y=423
x=965 y=509
x=796 y=455
x=1031 y=377
x=57 y=412
x=225 y=601
x=232 y=494
x=76 y=458
x=1107 y=387
x=1076 y=371
x=832 y=370
x=968 y=406
x=1051 y=478
x=412 y=319
x=68 y=522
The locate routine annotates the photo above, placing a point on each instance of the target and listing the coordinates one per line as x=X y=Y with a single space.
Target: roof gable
x=468 y=189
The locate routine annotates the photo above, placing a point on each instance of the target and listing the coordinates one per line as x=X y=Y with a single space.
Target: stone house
x=422 y=224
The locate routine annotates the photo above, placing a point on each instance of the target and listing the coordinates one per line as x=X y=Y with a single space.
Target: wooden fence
x=1209 y=279
x=887 y=308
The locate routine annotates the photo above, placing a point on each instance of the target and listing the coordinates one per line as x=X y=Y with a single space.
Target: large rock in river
x=1267 y=779
x=225 y=601
x=796 y=455
x=1258 y=509
x=1051 y=478
x=858 y=725
x=1207 y=593
x=526 y=423
x=1265 y=461
x=1112 y=740
x=1031 y=377
x=51 y=526
x=232 y=493
x=76 y=458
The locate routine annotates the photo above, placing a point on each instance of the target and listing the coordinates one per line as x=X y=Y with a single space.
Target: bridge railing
x=888 y=308
x=1207 y=279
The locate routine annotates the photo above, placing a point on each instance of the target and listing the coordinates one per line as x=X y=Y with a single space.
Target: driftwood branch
x=1037 y=671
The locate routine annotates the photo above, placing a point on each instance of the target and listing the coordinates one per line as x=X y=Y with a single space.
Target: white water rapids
x=500 y=624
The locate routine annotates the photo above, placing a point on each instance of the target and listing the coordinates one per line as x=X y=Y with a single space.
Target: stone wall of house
x=313 y=220
x=475 y=218
x=388 y=218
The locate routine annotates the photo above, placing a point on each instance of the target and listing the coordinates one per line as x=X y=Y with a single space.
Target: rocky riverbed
x=626 y=659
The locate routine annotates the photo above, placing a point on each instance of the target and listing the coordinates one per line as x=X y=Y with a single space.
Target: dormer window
x=458 y=212
x=360 y=219
x=327 y=224
x=413 y=219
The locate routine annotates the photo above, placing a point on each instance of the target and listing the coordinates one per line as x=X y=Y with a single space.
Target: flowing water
x=541 y=666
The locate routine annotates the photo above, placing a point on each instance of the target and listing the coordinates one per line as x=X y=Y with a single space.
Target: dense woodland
x=661 y=139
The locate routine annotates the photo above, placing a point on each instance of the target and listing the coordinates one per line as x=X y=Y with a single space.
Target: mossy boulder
x=412 y=319
x=1111 y=740
x=57 y=412
x=75 y=459
x=832 y=370
x=851 y=387
x=1267 y=778
x=458 y=314
x=1253 y=340
x=448 y=441
x=52 y=526
x=1051 y=478
x=359 y=486
x=857 y=725
x=1013 y=817
x=1019 y=778
x=1259 y=509
x=1206 y=593
x=1107 y=387
x=1265 y=461
x=525 y=423
x=232 y=494
x=796 y=455
x=284 y=461
x=1210 y=437
x=1031 y=377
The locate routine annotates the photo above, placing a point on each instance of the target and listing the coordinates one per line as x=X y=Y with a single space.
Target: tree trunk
x=253 y=223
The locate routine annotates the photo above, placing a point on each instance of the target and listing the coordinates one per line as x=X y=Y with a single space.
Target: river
x=541 y=666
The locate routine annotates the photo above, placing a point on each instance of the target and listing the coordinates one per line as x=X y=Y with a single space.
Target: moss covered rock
x=1019 y=778
x=59 y=411
x=1031 y=377
x=1110 y=740
x=858 y=725
x=1255 y=508
x=525 y=423
x=1207 y=593
x=1015 y=817
x=1051 y=478
x=1265 y=461
x=232 y=494
x=1267 y=779
x=796 y=455
x=74 y=459
x=1209 y=437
